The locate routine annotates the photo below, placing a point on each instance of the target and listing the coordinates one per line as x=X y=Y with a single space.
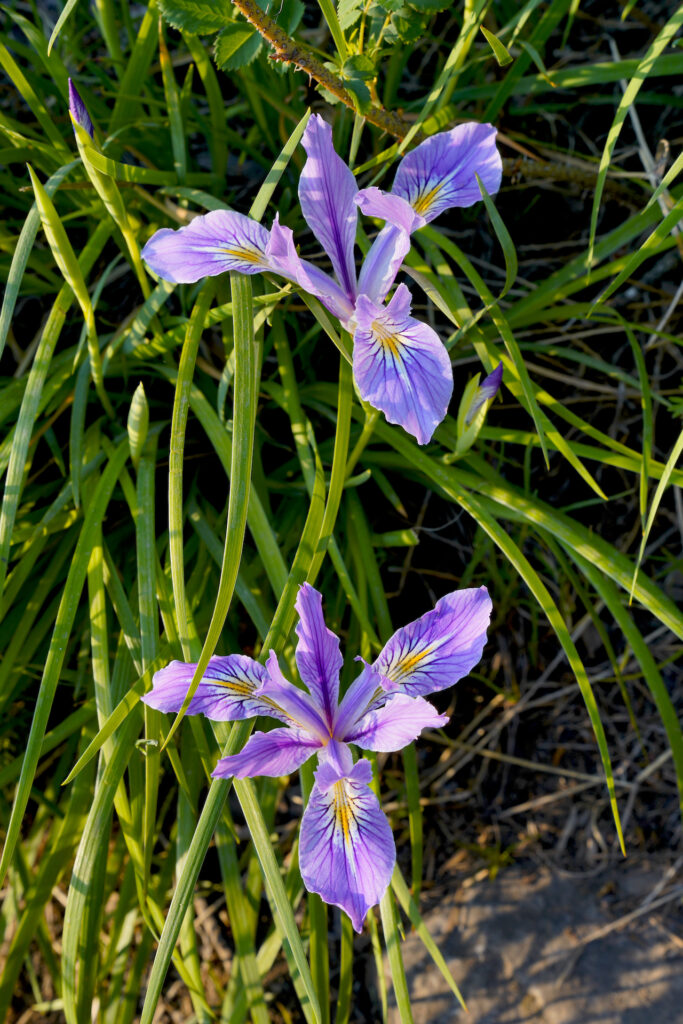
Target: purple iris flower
x=400 y=365
x=346 y=849
x=486 y=391
x=79 y=110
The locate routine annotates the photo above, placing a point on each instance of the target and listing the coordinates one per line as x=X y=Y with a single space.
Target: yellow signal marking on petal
x=244 y=689
x=343 y=812
x=385 y=337
x=248 y=255
x=408 y=664
x=424 y=201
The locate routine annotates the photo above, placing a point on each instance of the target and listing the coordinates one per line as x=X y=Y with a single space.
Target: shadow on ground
x=517 y=949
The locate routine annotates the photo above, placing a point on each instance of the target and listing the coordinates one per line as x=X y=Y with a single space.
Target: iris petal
x=441 y=647
x=400 y=365
x=326 y=191
x=212 y=244
x=346 y=848
x=227 y=691
x=282 y=255
x=486 y=391
x=440 y=172
x=275 y=753
x=397 y=723
x=318 y=657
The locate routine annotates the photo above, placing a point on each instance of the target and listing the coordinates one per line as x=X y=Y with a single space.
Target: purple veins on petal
x=230 y=689
x=401 y=366
x=301 y=709
x=326 y=192
x=318 y=657
x=79 y=110
x=440 y=647
x=440 y=172
x=485 y=392
x=346 y=847
x=211 y=244
x=358 y=699
x=275 y=753
x=397 y=723
x=284 y=259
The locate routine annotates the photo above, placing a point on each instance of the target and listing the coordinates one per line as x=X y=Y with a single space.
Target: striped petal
x=326 y=191
x=275 y=753
x=383 y=261
x=318 y=657
x=346 y=848
x=440 y=172
x=441 y=647
x=400 y=365
x=212 y=244
x=229 y=690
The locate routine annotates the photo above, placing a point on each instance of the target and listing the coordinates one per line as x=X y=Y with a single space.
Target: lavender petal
x=396 y=724
x=275 y=753
x=440 y=172
x=346 y=848
x=211 y=244
x=228 y=691
x=326 y=191
x=440 y=647
x=401 y=366
x=318 y=657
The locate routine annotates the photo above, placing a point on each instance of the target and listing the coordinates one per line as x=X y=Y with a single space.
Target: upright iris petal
x=211 y=244
x=318 y=657
x=346 y=848
x=327 y=189
x=401 y=366
x=440 y=172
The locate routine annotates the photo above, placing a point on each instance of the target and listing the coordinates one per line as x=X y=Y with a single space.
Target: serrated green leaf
x=359 y=66
x=236 y=46
x=196 y=16
x=429 y=6
x=348 y=12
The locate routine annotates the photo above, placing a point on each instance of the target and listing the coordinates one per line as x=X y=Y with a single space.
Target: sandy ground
x=538 y=947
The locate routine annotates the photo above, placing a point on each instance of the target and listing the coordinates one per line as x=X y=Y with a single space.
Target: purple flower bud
x=485 y=392
x=78 y=110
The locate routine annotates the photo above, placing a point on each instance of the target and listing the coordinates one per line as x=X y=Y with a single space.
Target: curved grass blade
x=645 y=68
x=55 y=658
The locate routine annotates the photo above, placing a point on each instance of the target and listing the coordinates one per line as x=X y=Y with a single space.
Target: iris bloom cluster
x=400 y=365
x=346 y=848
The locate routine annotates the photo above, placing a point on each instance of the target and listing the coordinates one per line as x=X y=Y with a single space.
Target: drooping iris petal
x=485 y=392
x=346 y=848
x=440 y=647
x=382 y=263
x=283 y=257
x=400 y=365
x=212 y=244
x=326 y=192
x=397 y=723
x=275 y=753
x=440 y=172
x=79 y=111
x=318 y=657
x=302 y=709
x=227 y=692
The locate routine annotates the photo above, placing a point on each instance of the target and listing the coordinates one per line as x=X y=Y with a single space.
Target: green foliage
x=236 y=46
x=197 y=16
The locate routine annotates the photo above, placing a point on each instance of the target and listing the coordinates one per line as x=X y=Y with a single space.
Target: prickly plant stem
x=290 y=52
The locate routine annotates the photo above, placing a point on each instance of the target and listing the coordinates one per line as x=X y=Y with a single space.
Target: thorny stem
x=290 y=52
